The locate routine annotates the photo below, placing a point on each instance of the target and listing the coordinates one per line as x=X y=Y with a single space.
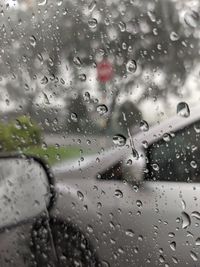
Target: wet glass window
x=176 y=157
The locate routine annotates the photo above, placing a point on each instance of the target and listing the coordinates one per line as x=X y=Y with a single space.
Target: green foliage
x=19 y=134
x=53 y=155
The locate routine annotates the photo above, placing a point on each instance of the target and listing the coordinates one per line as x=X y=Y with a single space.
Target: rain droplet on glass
x=174 y=36
x=144 y=126
x=119 y=140
x=74 y=117
x=92 y=23
x=186 y=221
x=191 y=18
x=131 y=66
x=102 y=109
x=118 y=193
x=183 y=110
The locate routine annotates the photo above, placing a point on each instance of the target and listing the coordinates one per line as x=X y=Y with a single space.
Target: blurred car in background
x=134 y=210
x=82 y=84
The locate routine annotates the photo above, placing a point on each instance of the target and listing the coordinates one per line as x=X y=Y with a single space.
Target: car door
x=160 y=216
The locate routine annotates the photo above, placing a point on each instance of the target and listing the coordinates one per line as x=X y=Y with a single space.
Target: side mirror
x=25 y=190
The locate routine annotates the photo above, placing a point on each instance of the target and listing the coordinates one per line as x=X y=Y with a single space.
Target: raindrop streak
x=191 y=18
x=102 y=109
x=173 y=246
x=46 y=100
x=183 y=110
x=193 y=256
x=118 y=193
x=131 y=66
x=185 y=220
x=196 y=215
x=119 y=140
x=92 y=23
x=183 y=204
x=144 y=126
x=92 y=5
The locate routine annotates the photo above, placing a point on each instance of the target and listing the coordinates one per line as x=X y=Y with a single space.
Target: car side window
x=176 y=157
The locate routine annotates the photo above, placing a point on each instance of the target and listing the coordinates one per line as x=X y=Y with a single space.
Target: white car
x=133 y=211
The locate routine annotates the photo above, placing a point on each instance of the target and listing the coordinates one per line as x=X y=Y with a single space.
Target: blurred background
x=75 y=73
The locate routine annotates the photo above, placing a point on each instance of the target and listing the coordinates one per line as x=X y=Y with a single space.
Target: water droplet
x=32 y=41
x=161 y=259
x=135 y=154
x=175 y=260
x=174 y=36
x=193 y=164
x=80 y=195
x=129 y=162
x=131 y=66
x=99 y=205
x=77 y=62
x=151 y=16
x=42 y=2
x=197 y=128
x=197 y=241
x=135 y=188
x=59 y=2
x=118 y=193
x=196 y=215
x=92 y=23
x=130 y=233
x=90 y=229
x=74 y=117
x=185 y=220
x=155 y=167
x=119 y=140
x=166 y=137
x=46 y=100
x=139 y=203
x=87 y=97
x=191 y=18
x=193 y=256
x=183 y=109
x=144 y=126
x=92 y=5
x=183 y=204
x=102 y=109
x=82 y=77
x=44 y=80
x=122 y=26
x=171 y=234
x=145 y=144
x=173 y=245
x=189 y=234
